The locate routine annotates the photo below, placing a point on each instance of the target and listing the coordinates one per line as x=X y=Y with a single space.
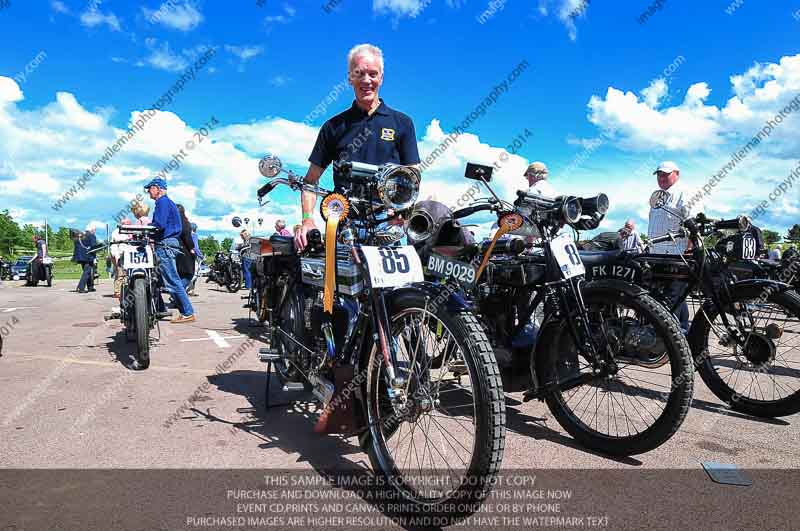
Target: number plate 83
x=566 y=254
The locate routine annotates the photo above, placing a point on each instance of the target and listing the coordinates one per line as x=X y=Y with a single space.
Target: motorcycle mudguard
x=758 y=287
x=549 y=328
x=437 y=293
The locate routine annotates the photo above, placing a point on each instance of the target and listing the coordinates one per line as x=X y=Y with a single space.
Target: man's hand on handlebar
x=300 y=235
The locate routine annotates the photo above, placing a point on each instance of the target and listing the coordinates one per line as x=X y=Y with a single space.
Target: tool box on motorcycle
x=665 y=267
x=349 y=279
x=518 y=271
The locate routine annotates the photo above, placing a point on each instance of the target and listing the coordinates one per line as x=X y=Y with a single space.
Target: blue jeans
x=87 y=278
x=248 y=280
x=682 y=312
x=167 y=250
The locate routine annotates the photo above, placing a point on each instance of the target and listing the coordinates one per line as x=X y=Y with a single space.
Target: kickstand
x=267 y=404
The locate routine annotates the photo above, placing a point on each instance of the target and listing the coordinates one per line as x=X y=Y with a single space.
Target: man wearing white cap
x=661 y=221
x=668 y=175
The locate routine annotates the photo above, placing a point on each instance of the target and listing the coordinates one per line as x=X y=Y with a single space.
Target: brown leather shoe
x=184 y=319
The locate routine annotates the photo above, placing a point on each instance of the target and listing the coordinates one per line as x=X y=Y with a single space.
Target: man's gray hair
x=362 y=49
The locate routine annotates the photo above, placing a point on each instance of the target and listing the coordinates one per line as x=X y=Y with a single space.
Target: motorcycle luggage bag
x=275 y=245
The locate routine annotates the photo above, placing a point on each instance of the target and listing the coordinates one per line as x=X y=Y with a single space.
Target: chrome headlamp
x=571 y=209
x=398 y=186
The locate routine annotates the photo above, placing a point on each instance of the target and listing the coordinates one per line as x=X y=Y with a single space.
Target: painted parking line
x=214 y=336
x=8 y=310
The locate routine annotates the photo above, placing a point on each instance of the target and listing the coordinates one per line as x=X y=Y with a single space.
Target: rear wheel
x=644 y=403
x=439 y=440
x=141 y=306
x=761 y=377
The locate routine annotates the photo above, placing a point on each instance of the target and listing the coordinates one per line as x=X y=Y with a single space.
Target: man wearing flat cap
x=167 y=220
x=537 y=179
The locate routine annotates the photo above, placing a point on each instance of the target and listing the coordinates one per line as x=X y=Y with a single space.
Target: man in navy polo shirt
x=167 y=220
x=369 y=131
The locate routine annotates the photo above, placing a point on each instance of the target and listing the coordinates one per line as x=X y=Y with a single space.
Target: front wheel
x=644 y=399
x=760 y=376
x=438 y=437
x=49 y=277
x=141 y=306
x=234 y=279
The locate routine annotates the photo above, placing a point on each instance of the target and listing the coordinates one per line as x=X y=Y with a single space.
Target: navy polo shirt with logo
x=384 y=136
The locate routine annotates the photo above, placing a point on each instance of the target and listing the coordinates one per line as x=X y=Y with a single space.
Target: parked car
x=204 y=270
x=20 y=267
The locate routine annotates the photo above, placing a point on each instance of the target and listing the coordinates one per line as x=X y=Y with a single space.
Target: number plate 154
x=445 y=267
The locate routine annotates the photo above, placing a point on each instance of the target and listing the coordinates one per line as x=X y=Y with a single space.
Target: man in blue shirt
x=167 y=220
x=82 y=255
x=369 y=131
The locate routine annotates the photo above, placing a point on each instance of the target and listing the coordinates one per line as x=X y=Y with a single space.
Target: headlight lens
x=571 y=210
x=398 y=186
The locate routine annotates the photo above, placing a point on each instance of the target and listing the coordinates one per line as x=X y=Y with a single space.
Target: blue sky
x=73 y=74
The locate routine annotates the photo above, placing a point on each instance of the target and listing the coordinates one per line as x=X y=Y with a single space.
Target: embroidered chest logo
x=387 y=134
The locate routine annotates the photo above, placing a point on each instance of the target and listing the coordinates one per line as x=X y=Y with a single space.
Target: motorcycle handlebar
x=669 y=236
x=468 y=211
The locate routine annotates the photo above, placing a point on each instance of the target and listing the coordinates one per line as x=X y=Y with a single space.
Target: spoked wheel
x=761 y=375
x=291 y=323
x=141 y=305
x=644 y=399
x=439 y=440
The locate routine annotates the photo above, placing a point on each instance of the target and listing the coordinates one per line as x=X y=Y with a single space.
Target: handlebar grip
x=468 y=211
x=727 y=224
x=267 y=188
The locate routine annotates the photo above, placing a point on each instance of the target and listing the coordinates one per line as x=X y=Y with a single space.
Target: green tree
x=9 y=233
x=209 y=246
x=794 y=233
x=770 y=236
x=227 y=243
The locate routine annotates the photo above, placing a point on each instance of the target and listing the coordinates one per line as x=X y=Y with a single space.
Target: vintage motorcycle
x=138 y=295
x=397 y=361
x=744 y=329
x=585 y=361
x=39 y=270
x=226 y=270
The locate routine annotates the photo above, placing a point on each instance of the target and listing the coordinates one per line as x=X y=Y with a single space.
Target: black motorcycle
x=226 y=270
x=139 y=294
x=5 y=270
x=588 y=360
x=397 y=361
x=39 y=270
x=744 y=330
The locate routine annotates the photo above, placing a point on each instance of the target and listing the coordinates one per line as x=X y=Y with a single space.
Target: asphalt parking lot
x=71 y=402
